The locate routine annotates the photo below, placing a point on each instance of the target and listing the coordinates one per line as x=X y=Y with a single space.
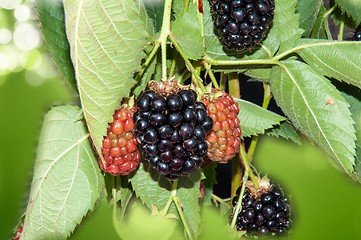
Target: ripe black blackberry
x=265 y=211
x=169 y=125
x=357 y=34
x=242 y=24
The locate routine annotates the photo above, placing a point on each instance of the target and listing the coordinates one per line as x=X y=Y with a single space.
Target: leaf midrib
x=311 y=111
x=33 y=200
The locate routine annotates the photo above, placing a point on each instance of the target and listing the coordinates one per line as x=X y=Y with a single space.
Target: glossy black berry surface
x=265 y=213
x=171 y=130
x=242 y=24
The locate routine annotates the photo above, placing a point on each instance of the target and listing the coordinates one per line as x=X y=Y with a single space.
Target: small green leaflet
x=355 y=108
x=67 y=180
x=154 y=190
x=155 y=9
x=319 y=30
x=51 y=16
x=352 y=8
x=107 y=40
x=286 y=131
x=187 y=32
x=317 y=109
x=286 y=24
x=254 y=119
x=337 y=59
x=308 y=10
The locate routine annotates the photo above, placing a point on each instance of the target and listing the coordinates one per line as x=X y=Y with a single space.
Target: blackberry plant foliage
x=178 y=64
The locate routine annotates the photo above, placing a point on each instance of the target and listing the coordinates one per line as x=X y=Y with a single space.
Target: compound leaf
x=67 y=180
x=52 y=19
x=317 y=109
x=107 y=40
x=336 y=59
x=254 y=119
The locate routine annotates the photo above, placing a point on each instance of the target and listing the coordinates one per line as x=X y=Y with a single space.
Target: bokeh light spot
x=22 y=13
x=33 y=79
x=9 y=4
x=26 y=37
x=5 y=36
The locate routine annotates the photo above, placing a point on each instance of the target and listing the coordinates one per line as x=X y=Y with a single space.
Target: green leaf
x=319 y=29
x=261 y=74
x=336 y=59
x=355 y=108
x=187 y=31
x=286 y=24
x=352 y=8
x=155 y=9
x=67 y=180
x=52 y=19
x=286 y=131
x=317 y=109
x=209 y=181
x=254 y=119
x=154 y=190
x=308 y=10
x=107 y=40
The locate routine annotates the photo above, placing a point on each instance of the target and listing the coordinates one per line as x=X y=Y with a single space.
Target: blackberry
x=19 y=231
x=357 y=34
x=265 y=211
x=171 y=128
x=241 y=24
x=225 y=136
x=120 y=147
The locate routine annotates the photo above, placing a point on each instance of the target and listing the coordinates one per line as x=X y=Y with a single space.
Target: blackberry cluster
x=264 y=212
x=224 y=139
x=171 y=129
x=241 y=24
x=120 y=147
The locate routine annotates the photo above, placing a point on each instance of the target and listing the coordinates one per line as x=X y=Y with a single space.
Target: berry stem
x=325 y=21
x=164 y=35
x=181 y=215
x=114 y=195
x=148 y=61
x=173 y=194
x=342 y=27
x=267 y=96
x=211 y=75
x=220 y=200
x=235 y=91
x=238 y=208
x=246 y=166
x=223 y=81
x=190 y=67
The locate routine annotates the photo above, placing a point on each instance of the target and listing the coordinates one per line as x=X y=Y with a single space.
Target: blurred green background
x=326 y=202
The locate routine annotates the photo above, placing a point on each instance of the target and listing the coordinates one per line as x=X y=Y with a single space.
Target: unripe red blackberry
x=19 y=231
x=119 y=147
x=171 y=127
x=225 y=137
x=241 y=24
x=265 y=211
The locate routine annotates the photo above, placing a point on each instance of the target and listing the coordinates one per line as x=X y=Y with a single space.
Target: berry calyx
x=265 y=211
x=224 y=137
x=120 y=147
